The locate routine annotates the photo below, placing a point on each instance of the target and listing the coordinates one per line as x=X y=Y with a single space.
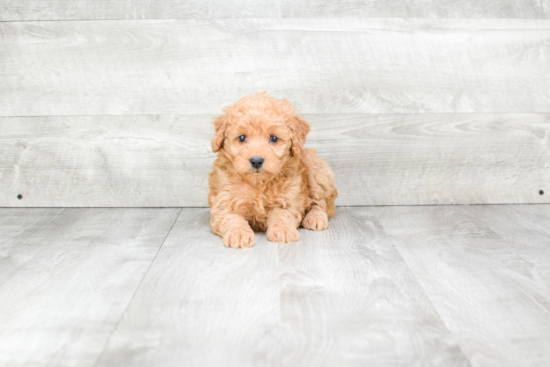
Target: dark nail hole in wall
x=20 y=196
x=541 y=192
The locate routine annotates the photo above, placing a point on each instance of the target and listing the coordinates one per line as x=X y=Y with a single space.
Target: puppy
x=263 y=178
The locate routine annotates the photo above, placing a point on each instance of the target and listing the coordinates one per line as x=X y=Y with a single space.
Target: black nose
x=256 y=162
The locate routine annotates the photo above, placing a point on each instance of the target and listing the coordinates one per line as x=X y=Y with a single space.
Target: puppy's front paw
x=239 y=238
x=282 y=233
x=315 y=220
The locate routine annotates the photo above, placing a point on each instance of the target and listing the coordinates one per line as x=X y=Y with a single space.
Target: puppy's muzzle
x=256 y=162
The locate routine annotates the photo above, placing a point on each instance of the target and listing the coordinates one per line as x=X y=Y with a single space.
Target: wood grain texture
x=66 y=277
x=163 y=161
x=202 y=304
x=321 y=65
x=383 y=286
x=486 y=271
x=155 y=9
x=19 y=227
x=323 y=300
x=348 y=299
x=142 y=161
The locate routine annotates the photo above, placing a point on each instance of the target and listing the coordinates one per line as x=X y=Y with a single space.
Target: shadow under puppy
x=263 y=178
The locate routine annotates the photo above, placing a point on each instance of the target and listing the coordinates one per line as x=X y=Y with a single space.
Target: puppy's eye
x=242 y=138
x=273 y=139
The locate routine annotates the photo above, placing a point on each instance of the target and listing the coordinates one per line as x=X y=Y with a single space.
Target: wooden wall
x=109 y=104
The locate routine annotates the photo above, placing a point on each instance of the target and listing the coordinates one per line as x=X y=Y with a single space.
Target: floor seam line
x=136 y=290
x=394 y=242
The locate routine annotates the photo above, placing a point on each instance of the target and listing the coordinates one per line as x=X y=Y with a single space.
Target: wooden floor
x=384 y=286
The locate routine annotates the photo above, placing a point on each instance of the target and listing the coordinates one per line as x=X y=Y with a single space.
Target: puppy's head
x=259 y=134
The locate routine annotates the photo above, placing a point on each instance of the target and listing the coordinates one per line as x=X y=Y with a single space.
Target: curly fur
x=293 y=187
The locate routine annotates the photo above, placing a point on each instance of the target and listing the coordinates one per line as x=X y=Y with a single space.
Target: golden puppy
x=263 y=178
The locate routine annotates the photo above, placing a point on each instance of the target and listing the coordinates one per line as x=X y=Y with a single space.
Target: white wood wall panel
x=157 y=9
x=321 y=65
x=402 y=159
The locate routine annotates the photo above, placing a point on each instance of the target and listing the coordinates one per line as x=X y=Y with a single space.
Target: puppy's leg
x=316 y=219
x=234 y=229
x=322 y=191
x=281 y=226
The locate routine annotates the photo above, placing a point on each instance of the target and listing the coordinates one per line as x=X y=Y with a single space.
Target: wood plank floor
x=383 y=286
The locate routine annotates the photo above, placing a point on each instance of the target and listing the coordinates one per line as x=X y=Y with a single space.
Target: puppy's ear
x=220 y=123
x=299 y=128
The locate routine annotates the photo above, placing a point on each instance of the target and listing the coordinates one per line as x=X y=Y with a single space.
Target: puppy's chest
x=263 y=197
x=259 y=202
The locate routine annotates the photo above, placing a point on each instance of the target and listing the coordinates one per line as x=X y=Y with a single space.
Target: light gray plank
x=339 y=295
x=389 y=159
x=136 y=161
x=66 y=277
x=437 y=158
x=486 y=271
x=201 y=304
x=348 y=299
x=321 y=65
x=19 y=227
x=354 y=294
x=155 y=9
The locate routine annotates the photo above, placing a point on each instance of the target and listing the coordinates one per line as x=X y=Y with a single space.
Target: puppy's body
x=290 y=186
